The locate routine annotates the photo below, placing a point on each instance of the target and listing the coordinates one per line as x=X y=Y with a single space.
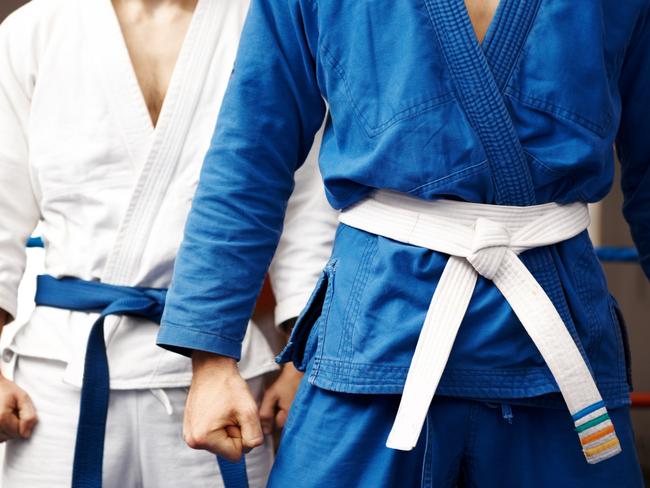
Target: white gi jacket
x=79 y=154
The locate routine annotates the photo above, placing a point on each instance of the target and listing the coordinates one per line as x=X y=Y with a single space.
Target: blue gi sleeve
x=270 y=114
x=633 y=141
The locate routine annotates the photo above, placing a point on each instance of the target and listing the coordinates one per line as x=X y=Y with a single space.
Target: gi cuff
x=183 y=339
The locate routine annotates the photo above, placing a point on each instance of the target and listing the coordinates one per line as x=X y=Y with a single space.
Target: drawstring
x=163 y=398
x=506 y=411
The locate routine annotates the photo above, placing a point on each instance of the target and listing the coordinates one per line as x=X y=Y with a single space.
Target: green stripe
x=592 y=422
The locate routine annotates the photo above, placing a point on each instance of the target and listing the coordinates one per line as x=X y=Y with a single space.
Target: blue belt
x=92 y=296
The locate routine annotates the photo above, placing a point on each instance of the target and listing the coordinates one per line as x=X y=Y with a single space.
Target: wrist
x=290 y=371
x=203 y=362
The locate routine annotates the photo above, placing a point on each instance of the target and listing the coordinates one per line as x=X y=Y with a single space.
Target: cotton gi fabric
x=78 y=153
x=331 y=439
x=486 y=240
x=572 y=83
x=144 y=441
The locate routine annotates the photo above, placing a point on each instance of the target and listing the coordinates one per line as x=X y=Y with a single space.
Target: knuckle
x=22 y=396
x=197 y=441
x=249 y=412
x=192 y=441
x=252 y=443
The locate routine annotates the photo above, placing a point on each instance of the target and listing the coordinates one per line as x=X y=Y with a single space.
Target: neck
x=152 y=6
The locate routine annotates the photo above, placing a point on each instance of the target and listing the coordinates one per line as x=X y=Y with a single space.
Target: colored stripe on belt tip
x=596 y=432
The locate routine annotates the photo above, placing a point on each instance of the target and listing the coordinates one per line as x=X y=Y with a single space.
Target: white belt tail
x=486 y=240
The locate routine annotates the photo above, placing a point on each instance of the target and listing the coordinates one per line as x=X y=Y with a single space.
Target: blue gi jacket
x=400 y=78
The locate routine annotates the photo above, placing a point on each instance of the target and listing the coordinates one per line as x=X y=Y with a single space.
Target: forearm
x=207 y=362
x=228 y=245
x=268 y=119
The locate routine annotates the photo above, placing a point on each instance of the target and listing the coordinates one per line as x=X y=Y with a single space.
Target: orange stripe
x=603 y=447
x=597 y=435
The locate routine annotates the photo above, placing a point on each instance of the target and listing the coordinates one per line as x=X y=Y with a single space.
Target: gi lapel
x=478 y=92
x=479 y=95
x=170 y=136
x=506 y=36
x=117 y=79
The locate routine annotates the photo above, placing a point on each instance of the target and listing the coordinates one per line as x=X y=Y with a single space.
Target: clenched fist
x=220 y=413
x=279 y=397
x=17 y=413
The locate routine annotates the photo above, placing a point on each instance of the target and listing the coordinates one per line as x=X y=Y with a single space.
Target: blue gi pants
x=337 y=440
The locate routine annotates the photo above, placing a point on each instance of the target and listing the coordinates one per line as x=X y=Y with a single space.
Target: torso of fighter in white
x=106 y=111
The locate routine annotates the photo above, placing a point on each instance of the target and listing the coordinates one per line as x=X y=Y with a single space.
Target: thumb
x=26 y=416
x=9 y=425
x=251 y=429
x=267 y=410
x=229 y=442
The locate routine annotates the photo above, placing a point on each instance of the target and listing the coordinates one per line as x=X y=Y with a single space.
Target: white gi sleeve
x=19 y=212
x=306 y=242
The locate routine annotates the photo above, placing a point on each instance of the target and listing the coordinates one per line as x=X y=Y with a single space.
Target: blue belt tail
x=91 y=296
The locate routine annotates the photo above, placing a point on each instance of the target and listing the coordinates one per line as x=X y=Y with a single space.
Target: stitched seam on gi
x=478 y=95
x=528 y=385
x=354 y=304
x=584 y=289
x=450 y=178
x=322 y=321
x=200 y=331
x=504 y=52
x=576 y=194
x=407 y=113
x=623 y=348
x=343 y=349
x=562 y=112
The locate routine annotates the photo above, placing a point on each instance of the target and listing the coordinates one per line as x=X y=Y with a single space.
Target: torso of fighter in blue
x=398 y=78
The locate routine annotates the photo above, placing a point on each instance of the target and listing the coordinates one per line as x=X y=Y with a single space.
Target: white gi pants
x=144 y=442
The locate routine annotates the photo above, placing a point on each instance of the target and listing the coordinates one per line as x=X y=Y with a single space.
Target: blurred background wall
x=627 y=283
x=632 y=290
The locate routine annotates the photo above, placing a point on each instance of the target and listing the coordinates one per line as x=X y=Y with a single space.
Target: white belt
x=486 y=239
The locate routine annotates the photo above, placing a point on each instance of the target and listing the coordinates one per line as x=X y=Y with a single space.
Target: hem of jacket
x=535 y=385
x=169 y=380
x=184 y=340
x=184 y=380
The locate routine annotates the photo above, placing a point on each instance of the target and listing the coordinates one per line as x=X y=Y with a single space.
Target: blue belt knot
x=106 y=299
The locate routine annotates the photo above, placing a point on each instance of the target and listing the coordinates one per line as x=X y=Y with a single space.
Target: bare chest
x=481 y=12
x=154 y=44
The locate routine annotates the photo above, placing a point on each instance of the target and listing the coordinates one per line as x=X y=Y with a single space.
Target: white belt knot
x=491 y=242
x=486 y=240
